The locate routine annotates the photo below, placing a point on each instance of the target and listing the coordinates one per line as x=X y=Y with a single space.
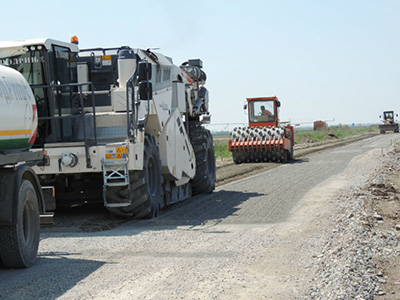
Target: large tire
x=291 y=153
x=237 y=158
x=146 y=187
x=19 y=243
x=203 y=146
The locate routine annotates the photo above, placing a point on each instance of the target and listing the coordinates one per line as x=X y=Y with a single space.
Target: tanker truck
x=21 y=197
x=121 y=126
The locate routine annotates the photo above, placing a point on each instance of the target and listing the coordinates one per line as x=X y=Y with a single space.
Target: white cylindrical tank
x=18 y=113
x=126 y=66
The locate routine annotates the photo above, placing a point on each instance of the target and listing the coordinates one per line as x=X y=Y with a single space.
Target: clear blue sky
x=323 y=59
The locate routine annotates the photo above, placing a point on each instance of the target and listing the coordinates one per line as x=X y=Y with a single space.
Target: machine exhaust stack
x=126 y=66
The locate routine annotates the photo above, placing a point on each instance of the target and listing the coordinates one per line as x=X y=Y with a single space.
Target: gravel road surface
x=261 y=237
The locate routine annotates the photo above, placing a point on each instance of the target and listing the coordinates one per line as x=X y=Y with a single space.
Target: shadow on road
x=299 y=160
x=201 y=209
x=62 y=274
x=198 y=210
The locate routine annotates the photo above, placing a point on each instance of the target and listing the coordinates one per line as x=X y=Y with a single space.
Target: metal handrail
x=131 y=83
x=135 y=123
x=81 y=115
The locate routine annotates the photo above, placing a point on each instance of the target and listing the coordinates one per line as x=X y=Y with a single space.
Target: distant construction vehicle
x=122 y=126
x=264 y=140
x=389 y=123
x=319 y=125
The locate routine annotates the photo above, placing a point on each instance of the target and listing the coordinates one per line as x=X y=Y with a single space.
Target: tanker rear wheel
x=203 y=146
x=19 y=243
x=146 y=187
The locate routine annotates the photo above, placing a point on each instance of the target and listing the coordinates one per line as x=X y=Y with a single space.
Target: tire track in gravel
x=228 y=171
x=220 y=204
x=265 y=201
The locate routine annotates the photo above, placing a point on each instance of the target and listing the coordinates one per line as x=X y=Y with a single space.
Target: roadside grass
x=300 y=137
x=306 y=136
x=221 y=148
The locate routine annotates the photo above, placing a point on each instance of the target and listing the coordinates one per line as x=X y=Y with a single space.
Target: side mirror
x=278 y=104
x=245 y=106
x=145 y=90
x=144 y=70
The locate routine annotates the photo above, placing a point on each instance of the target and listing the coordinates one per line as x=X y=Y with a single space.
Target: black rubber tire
x=19 y=243
x=146 y=187
x=291 y=153
x=203 y=146
x=237 y=158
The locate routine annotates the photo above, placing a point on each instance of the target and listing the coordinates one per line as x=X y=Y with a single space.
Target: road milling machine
x=264 y=140
x=118 y=125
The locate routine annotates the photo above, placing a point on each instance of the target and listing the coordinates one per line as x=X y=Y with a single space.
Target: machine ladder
x=116 y=174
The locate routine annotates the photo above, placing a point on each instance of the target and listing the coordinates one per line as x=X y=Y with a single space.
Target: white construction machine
x=119 y=125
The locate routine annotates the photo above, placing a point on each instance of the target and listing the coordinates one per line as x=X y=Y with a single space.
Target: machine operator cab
x=65 y=81
x=263 y=111
x=73 y=88
x=388 y=117
x=45 y=62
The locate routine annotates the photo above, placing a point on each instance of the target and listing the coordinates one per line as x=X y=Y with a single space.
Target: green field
x=300 y=137
x=221 y=147
x=304 y=136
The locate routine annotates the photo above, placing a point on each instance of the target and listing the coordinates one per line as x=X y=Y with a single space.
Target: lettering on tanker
x=4 y=91
x=11 y=89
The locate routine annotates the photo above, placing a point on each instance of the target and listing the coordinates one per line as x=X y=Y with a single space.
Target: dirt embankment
x=382 y=206
x=364 y=247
